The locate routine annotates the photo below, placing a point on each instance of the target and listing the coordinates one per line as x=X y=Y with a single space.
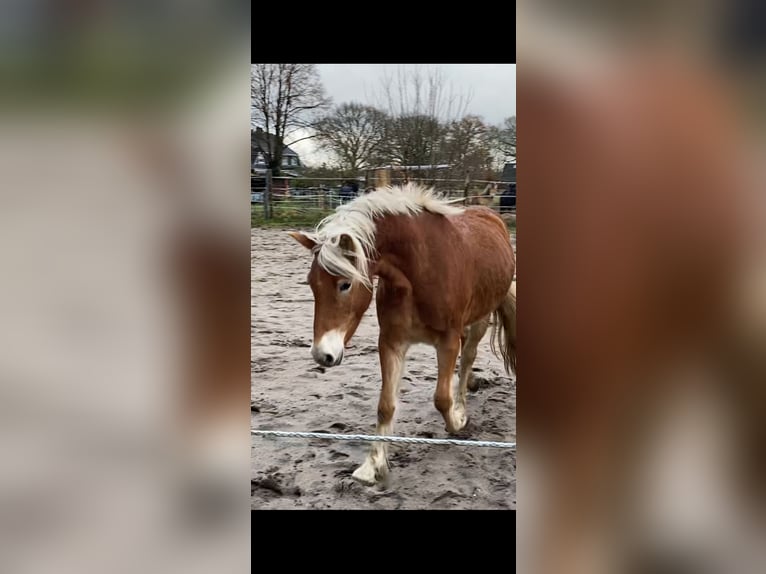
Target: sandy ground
x=291 y=393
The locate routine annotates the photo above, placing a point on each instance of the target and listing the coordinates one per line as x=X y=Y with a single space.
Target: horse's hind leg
x=454 y=413
x=470 y=341
x=392 y=358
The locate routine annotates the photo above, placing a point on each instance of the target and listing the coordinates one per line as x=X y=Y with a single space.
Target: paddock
x=289 y=392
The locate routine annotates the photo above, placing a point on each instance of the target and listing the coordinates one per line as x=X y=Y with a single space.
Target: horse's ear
x=346 y=243
x=303 y=239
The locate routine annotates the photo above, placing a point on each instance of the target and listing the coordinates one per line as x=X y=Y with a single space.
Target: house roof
x=258 y=140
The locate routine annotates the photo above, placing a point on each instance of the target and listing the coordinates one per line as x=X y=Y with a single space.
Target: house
x=259 y=152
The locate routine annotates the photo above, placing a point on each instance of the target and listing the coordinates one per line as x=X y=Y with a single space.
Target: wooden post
x=467 y=185
x=267 y=196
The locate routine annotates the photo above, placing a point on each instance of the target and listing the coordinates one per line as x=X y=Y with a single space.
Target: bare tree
x=419 y=103
x=467 y=144
x=504 y=137
x=284 y=99
x=354 y=133
x=413 y=139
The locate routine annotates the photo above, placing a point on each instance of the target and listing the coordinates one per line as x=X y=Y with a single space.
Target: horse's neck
x=382 y=243
x=387 y=239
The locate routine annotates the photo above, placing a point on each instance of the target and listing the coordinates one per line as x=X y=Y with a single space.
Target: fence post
x=267 y=196
x=467 y=185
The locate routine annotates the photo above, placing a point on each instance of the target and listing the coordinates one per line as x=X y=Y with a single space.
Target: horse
x=442 y=272
x=486 y=197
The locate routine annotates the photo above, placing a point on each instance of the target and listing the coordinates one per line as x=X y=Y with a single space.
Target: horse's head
x=339 y=304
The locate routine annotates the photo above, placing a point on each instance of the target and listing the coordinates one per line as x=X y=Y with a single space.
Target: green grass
x=286 y=218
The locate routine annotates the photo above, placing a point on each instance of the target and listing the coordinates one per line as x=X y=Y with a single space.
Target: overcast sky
x=492 y=86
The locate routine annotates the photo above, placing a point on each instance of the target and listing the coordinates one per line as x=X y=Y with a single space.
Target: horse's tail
x=504 y=330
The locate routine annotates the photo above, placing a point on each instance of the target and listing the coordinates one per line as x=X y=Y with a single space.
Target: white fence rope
x=377 y=438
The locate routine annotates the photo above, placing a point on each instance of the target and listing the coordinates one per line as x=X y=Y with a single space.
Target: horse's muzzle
x=328 y=360
x=328 y=351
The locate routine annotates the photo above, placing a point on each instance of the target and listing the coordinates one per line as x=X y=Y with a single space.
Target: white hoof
x=459 y=419
x=367 y=473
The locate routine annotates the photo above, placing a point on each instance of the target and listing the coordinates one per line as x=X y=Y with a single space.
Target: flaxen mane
x=353 y=224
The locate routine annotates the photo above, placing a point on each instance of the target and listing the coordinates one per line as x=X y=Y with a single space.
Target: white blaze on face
x=329 y=349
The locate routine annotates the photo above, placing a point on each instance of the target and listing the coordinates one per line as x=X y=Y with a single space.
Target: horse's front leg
x=392 y=356
x=447 y=350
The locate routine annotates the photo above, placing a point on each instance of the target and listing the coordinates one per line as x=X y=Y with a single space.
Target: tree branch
x=301 y=139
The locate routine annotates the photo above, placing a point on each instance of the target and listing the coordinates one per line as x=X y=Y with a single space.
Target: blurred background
x=642 y=401
x=125 y=301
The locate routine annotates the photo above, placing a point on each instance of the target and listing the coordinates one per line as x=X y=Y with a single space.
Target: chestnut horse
x=442 y=271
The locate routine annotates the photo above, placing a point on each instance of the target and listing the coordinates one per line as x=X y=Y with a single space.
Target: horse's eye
x=345 y=286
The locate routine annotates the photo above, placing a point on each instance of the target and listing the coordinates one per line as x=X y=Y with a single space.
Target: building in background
x=259 y=153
